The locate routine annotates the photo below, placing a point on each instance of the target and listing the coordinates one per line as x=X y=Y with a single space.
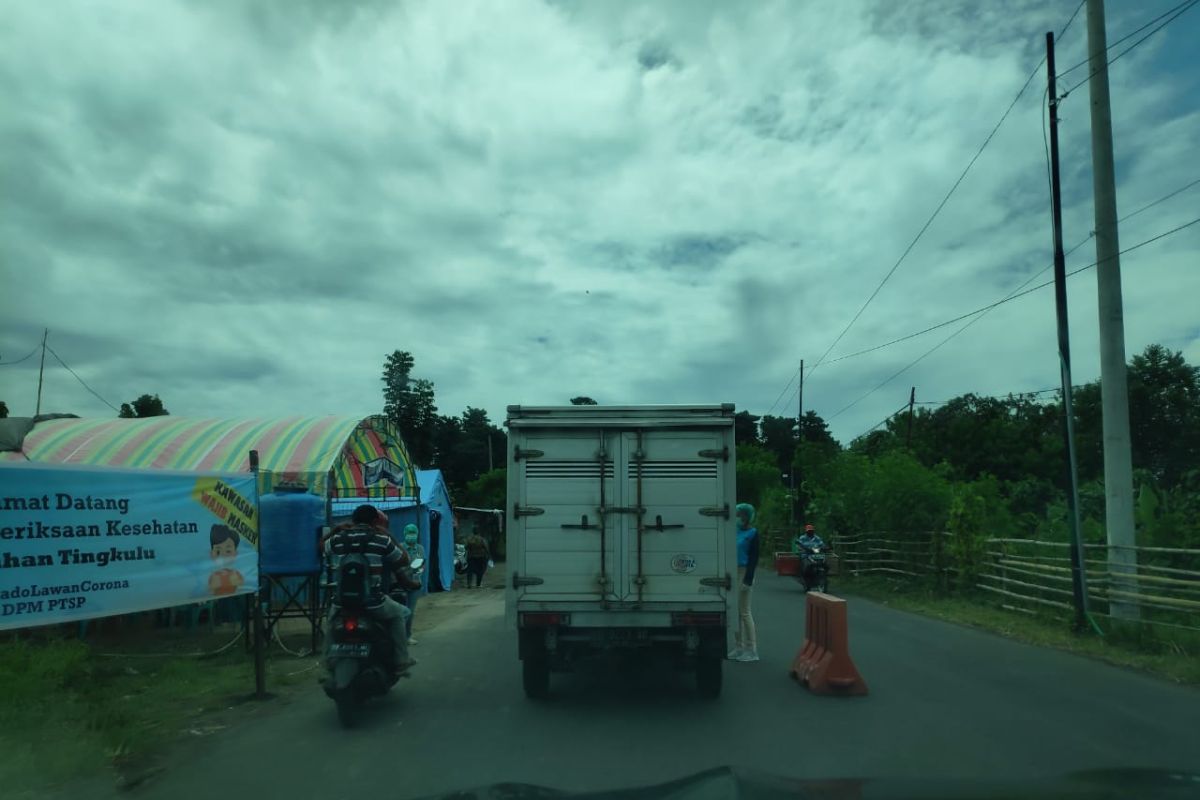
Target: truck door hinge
x=716 y=511
x=527 y=511
x=583 y=524
x=659 y=526
x=518 y=581
x=722 y=454
x=518 y=453
x=721 y=583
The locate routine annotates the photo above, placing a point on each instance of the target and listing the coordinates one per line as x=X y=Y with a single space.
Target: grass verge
x=71 y=710
x=1174 y=655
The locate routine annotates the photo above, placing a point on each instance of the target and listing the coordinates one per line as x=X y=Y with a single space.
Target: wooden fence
x=1029 y=575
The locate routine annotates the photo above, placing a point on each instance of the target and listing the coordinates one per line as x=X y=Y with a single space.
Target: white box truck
x=621 y=535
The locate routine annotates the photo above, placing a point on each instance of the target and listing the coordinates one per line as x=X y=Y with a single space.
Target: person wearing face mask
x=415 y=550
x=746 y=648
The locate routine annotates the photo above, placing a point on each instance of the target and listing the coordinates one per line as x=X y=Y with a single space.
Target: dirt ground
x=432 y=609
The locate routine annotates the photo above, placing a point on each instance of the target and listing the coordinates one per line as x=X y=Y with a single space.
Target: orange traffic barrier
x=824 y=662
x=787 y=564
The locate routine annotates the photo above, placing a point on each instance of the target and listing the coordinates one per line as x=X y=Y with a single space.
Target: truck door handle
x=583 y=524
x=721 y=583
x=622 y=510
x=518 y=581
x=659 y=526
x=527 y=511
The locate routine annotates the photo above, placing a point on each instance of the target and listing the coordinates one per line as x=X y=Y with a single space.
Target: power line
x=935 y=213
x=1074 y=14
x=32 y=353
x=1183 y=9
x=1164 y=198
x=978 y=315
x=1013 y=295
x=81 y=381
x=993 y=396
x=1173 y=14
x=920 y=233
x=883 y=421
x=1128 y=36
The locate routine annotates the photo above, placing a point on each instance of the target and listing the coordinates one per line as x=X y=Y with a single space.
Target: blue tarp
x=435 y=499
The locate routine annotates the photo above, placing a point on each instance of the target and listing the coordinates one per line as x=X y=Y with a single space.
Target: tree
x=410 y=405
x=779 y=439
x=461 y=447
x=489 y=490
x=3 y=409
x=756 y=474
x=1164 y=413
x=583 y=401
x=144 y=406
x=745 y=428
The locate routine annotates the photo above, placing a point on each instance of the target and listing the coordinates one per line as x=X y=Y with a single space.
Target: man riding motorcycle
x=804 y=545
x=367 y=535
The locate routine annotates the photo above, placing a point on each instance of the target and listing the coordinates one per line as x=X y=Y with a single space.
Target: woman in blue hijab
x=746 y=644
x=415 y=550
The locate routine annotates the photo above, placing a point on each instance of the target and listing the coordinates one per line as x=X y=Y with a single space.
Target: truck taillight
x=544 y=619
x=696 y=619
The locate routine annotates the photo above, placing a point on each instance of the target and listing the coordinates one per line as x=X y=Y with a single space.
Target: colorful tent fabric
x=367 y=456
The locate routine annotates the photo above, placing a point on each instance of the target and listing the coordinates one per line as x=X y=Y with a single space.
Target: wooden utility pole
x=912 y=400
x=798 y=505
x=1114 y=387
x=1078 y=584
x=41 y=371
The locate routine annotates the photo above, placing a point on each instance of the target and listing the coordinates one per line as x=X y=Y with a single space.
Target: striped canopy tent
x=364 y=457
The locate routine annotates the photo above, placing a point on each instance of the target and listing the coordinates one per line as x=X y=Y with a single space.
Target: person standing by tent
x=415 y=550
x=747 y=560
x=477 y=559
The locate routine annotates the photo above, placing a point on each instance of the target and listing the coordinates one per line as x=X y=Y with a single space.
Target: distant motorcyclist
x=805 y=545
x=367 y=535
x=805 y=542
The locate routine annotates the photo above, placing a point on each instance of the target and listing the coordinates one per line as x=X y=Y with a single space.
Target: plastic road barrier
x=824 y=662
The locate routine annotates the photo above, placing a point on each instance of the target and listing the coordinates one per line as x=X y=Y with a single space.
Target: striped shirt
x=379 y=548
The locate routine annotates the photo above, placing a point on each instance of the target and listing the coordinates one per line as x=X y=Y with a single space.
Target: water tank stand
x=301 y=600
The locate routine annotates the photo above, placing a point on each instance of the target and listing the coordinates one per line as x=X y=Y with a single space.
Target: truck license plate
x=352 y=650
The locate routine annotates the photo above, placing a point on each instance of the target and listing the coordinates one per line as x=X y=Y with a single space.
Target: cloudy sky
x=244 y=206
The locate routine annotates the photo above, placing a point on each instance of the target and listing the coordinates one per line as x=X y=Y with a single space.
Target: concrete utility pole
x=1114 y=389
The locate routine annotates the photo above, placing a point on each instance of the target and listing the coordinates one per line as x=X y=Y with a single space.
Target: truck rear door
x=567 y=477
x=677 y=479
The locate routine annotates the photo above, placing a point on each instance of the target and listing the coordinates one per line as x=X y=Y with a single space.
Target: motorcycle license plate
x=352 y=650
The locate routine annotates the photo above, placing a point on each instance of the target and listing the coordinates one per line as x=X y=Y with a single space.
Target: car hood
x=731 y=783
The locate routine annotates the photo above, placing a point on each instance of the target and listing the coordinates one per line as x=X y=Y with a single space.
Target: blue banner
x=84 y=542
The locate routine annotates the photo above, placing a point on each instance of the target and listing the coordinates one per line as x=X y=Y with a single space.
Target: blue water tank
x=290 y=522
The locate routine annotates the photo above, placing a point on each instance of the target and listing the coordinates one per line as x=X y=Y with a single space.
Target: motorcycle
x=814 y=572
x=360 y=654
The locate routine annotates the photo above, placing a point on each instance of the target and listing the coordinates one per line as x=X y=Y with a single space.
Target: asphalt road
x=946 y=702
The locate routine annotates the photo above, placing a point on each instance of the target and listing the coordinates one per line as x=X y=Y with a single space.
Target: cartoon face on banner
x=223 y=545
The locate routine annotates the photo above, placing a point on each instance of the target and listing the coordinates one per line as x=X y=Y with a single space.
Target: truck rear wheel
x=708 y=676
x=535 y=674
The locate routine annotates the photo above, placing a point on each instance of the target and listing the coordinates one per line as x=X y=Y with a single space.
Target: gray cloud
x=244 y=207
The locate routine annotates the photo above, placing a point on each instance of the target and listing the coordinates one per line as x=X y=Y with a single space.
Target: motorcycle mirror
x=417 y=563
